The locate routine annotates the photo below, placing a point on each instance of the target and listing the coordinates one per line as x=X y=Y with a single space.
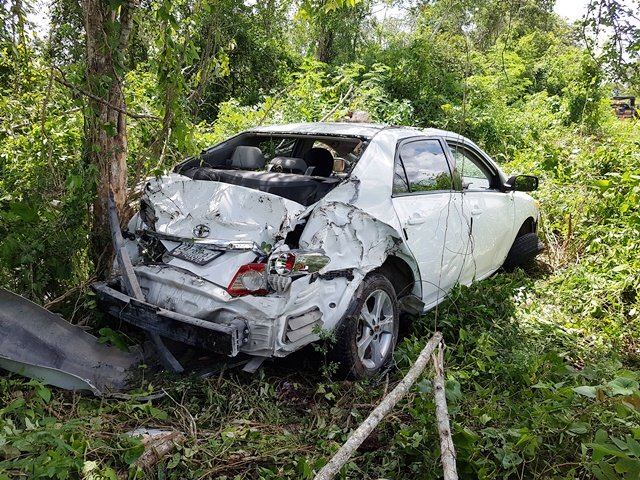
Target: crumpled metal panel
x=39 y=344
x=350 y=237
x=233 y=212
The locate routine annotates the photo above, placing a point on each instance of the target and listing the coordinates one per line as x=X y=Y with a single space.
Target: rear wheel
x=367 y=335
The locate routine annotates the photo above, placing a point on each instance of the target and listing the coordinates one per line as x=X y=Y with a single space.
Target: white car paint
x=444 y=238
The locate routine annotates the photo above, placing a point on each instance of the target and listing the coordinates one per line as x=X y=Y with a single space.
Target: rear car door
x=428 y=202
x=487 y=206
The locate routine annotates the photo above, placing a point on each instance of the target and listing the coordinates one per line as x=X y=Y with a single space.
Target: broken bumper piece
x=220 y=338
x=39 y=344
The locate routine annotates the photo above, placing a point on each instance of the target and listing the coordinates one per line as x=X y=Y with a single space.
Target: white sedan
x=265 y=240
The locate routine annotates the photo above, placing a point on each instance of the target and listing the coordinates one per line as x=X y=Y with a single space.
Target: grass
x=541 y=369
x=528 y=392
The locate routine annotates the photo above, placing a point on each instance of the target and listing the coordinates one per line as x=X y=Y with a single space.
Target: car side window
x=421 y=165
x=474 y=173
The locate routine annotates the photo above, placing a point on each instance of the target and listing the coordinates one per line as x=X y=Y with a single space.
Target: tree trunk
x=107 y=37
x=324 y=52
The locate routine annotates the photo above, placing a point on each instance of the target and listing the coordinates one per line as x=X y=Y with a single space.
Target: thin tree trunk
x=105 y=122
x=324 y=52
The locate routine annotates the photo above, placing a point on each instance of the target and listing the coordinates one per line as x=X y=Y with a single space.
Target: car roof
x=366 y=130
x=361 y=130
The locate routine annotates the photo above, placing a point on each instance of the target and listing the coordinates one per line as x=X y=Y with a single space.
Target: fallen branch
x=157 y=445
x=72 y=291
x=447 y=450
x=362 y=432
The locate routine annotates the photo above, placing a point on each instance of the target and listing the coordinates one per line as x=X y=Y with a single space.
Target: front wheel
x=524 y=249
x=367 y=335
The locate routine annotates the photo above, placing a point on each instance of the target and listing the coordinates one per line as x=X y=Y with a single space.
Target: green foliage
x=43 y=193
x=541 y=367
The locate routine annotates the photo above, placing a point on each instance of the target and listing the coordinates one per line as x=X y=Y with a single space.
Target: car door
x=428 y=203
x=487 y=206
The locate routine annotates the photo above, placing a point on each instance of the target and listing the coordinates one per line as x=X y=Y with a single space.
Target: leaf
x=586 y=391
x=107 y=335
x=9 y=451
x=622 y=386
x=424 y=386
x=604 y=471
x=578 y=428
x=602 y=184
x=511 y=459
x=158 y=413
x=621 y=444
x=74 y=181
x=44 y=393
x=452 y=390
x=24 y=211
x=600 y=450
x=634 y=447
x=629 y=466
x=134 y=452
x=175 y=460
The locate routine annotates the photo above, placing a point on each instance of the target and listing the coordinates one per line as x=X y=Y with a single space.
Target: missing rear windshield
x=315 y=155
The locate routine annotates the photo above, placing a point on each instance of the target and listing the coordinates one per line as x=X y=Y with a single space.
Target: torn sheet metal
x=350 y=237
x=39 y=344
x=192 y=208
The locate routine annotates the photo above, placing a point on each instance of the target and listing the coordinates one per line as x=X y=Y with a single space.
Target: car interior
x=302 y=168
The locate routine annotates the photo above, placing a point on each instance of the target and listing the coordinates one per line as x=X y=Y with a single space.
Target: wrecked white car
x=278 y=233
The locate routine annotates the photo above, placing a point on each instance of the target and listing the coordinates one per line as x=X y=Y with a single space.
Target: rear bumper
x=226 y=339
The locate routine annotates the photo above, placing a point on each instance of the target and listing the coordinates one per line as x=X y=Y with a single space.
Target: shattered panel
x=349 y=236
x=187 y=208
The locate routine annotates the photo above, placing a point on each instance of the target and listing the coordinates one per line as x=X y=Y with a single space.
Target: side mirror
x=522 y=183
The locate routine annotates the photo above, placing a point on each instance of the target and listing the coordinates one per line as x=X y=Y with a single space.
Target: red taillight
x=249 y=280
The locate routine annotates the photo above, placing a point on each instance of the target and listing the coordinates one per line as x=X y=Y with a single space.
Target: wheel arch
x=528 y=226
x=399 y=273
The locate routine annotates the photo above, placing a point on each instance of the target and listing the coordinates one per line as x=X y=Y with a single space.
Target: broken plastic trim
x=220 y=338
x=211 y=243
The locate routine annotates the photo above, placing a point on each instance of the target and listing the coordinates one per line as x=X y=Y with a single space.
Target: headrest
x=247 y=158
x=288 y=165
x=321 y=159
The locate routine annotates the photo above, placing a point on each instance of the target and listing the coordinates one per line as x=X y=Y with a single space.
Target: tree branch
x=337 y=105
x=137 y=116
x=447 y=450
x=362 y=432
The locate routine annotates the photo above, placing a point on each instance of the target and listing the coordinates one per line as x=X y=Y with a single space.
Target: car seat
x=322 y=161
x=247 y=158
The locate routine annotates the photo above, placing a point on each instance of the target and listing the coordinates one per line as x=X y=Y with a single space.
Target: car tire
x=524 y=248
x=367 y=334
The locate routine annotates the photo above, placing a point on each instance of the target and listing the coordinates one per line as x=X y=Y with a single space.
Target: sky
x=572 y=10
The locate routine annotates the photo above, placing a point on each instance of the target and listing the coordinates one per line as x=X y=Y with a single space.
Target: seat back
x=321 y=159
x=247 y=158
x=288 y=165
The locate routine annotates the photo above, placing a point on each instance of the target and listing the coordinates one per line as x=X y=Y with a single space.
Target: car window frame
x=456 y=180
x=495 y=182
